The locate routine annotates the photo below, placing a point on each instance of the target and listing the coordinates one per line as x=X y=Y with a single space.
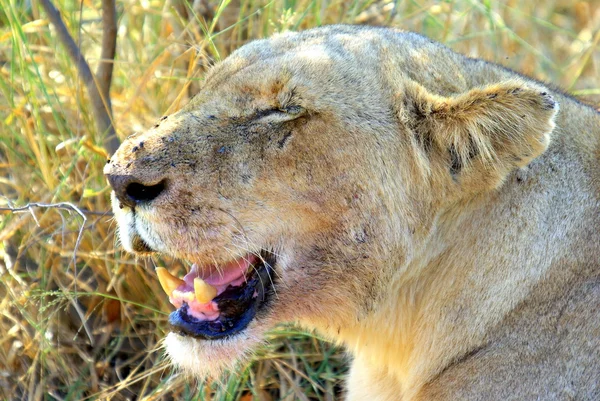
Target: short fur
x=434 y=213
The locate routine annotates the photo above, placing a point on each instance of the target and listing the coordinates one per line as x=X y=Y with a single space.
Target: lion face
x=256 y=183
x=302 y=177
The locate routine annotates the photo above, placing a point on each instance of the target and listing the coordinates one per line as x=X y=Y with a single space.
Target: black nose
x=130 y=192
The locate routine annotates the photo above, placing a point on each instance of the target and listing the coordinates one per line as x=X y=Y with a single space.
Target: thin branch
x=87 y=212
x=100 y=105
x=60 y=205
x=68 y=207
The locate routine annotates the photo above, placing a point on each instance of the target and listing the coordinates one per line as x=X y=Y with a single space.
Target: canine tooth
x=204 y=291
x=168 y=281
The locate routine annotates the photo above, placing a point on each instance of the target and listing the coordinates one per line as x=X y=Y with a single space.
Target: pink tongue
x=223 y=275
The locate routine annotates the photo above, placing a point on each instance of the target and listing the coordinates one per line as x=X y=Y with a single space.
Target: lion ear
x=477 y=138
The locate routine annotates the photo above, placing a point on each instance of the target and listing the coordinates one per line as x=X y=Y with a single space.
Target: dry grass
x=88 y=325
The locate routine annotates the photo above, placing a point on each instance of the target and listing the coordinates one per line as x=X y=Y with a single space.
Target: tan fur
x=435 y=214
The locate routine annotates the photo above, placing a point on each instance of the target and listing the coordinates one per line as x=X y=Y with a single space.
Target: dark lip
x=140 y=246
x=238 y=306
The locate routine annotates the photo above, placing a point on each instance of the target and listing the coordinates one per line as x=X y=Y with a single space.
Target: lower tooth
x=204 y=292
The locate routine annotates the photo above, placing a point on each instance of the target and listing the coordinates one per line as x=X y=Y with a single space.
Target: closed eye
x=287 y=113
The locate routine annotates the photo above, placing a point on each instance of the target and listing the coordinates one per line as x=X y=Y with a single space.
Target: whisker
x=268 y=272
x=215 y=264
x=259 y=255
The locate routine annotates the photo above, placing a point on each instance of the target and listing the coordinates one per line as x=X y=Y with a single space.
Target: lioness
x=434 y=213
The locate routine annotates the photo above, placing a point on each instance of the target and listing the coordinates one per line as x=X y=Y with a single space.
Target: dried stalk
x=97 y=91
x=107 y=57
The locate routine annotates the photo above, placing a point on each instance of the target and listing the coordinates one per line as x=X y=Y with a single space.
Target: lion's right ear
x=477 y=138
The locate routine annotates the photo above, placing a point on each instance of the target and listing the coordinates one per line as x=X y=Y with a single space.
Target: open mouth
x=219 y=301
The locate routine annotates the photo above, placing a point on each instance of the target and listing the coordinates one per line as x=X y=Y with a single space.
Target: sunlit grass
x=88 y=325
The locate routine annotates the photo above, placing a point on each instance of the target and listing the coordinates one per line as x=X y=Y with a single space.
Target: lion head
x=307 y=173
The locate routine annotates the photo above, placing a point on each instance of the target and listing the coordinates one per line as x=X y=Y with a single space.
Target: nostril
x=143 y=193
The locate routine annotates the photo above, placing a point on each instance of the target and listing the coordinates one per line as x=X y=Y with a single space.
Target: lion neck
x=479 y=261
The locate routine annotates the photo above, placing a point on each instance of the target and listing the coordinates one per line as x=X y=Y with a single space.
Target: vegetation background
x=83 y=320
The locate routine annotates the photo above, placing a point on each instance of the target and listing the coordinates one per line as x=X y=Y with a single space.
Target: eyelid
x=293 y=109
x=288 y=113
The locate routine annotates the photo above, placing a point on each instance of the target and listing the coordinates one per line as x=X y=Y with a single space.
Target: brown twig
x=100 y=104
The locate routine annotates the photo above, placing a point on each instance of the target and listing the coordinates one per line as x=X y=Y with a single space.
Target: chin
x=210 y=358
